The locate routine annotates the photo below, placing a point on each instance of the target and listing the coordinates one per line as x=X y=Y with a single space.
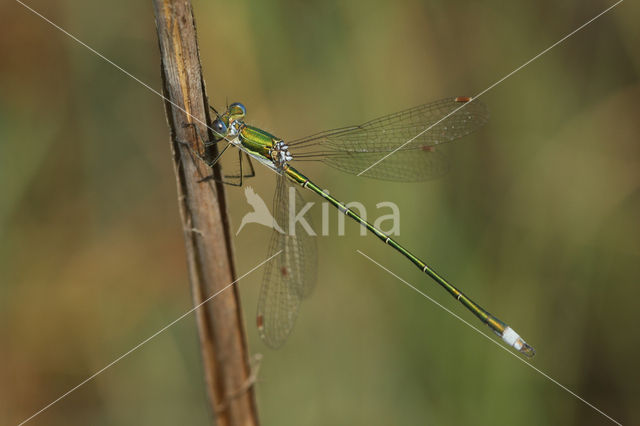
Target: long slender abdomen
x=507 y=334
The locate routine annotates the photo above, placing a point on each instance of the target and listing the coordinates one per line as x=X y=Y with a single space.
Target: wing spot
x=260 y=322
x=463 y=99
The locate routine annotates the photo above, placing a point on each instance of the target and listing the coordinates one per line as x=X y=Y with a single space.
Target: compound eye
x=237 y=111
x=219 y=127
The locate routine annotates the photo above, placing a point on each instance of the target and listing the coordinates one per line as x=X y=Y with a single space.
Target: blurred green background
x=538 y=220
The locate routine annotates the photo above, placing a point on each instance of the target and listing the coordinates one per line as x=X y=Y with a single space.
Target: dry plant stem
x=205 y=222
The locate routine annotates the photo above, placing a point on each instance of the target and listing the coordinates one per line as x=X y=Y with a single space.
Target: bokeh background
x=538 y=219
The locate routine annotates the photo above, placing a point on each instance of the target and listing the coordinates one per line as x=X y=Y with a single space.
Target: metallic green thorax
x=256 y=140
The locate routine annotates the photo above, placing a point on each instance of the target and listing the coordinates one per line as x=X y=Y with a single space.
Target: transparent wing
x=418 y=130
x=299 y=258
x=291 y=275
x=403 y=165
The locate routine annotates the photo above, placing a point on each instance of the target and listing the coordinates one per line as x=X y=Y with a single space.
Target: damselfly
x=413 y=137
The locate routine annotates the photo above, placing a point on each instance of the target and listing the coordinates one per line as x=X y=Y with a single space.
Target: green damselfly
x=419 y=131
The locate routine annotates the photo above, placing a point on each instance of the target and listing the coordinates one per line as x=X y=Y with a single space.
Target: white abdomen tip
x=512 y=338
